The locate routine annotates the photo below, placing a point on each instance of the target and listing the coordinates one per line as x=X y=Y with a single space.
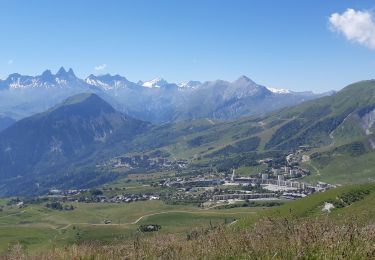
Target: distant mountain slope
x=48 y=144
x=60 y=147
x=5 y=122
x=333 y=120
x=229 y=100
x=338 y=129
x=155 y=100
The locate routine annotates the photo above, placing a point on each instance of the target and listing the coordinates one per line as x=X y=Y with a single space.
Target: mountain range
x=63 y=146
x=156 y=100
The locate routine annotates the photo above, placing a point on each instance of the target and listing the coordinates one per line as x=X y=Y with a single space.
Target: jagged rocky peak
x=13 y=76
x=244 y=79
x=62 y=73
x=47 y=75
x=71 y=72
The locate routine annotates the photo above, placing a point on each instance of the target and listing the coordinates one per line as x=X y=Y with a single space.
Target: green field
x=344 y=169
x=311 y=207
x=3 y=202
x=249 y=170
x=36 y=227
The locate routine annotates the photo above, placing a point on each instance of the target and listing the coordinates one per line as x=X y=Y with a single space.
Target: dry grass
x=267 y=239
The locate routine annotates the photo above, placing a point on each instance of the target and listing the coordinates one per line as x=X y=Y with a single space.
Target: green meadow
x=36 y=227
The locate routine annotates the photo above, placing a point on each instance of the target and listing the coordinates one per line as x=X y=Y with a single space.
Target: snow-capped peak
x=189 y=84
x=108 y=82
x=155 y=83
x=279 y=90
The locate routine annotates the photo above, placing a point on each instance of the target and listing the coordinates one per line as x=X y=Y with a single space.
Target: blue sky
x=286 y=44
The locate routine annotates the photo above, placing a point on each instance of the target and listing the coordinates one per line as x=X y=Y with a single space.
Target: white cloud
x=10 y=62
x=356 y=26
x=100 y=67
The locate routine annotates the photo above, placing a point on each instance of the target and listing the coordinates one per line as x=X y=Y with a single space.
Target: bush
x=353 y=196
x=58 y=206
x=149 y=228
x=251 y=204
x=96 y=192
x=55 y=205
x=349 y=198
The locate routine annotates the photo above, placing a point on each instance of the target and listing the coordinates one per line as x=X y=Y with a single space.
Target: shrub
x=149 y=228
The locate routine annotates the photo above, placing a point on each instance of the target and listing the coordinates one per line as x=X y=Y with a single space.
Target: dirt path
x=316 y=169
x=203 y=211
x=149 y=215
x=13 y=214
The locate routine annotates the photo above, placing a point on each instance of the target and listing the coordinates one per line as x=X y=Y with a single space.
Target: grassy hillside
x=295 y=230
x=344 y=169
x=311 y=122
x=311 y=206
x=36 y=227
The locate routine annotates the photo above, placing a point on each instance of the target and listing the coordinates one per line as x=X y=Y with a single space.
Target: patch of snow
x=155 y=83
x=189 y=85
x=279 y=90
x=327 y=207
x=107 y=81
